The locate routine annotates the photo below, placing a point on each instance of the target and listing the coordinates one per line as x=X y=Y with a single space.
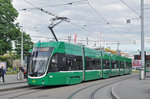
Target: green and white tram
x=61 y=63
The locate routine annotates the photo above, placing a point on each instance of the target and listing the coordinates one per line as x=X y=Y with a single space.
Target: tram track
x=28 y=90
x=76 y=89
x=101 y=84
x=96 y=90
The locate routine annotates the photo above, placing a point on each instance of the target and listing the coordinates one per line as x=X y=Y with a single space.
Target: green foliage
x=8 y=30
x=27 y=44
x=11 y=71
x=135 y=71
x=5 y=59
x=6 y=56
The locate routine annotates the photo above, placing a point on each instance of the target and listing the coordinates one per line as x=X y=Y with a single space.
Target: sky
x=102 y=22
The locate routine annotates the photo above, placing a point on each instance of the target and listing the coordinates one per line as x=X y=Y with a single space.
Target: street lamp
x=22 y=46
x=142 y=71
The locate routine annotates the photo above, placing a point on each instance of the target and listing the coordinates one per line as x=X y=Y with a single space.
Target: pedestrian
x=2 y=73
x=21 y=70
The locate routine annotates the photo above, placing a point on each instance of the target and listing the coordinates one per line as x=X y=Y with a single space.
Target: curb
x=13 y=83
x=13 y=88
x=113 y=94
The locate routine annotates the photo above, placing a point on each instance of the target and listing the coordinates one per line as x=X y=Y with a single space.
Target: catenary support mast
x=142 y=71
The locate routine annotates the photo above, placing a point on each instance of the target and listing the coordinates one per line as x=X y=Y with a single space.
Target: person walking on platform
x=2 y=73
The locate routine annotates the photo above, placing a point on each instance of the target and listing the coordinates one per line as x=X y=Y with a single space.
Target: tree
x=27 y=45
x=8 y=30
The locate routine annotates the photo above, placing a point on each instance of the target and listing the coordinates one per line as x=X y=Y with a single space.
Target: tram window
x=106 y=64
x=74 y=62
x=121 y=64
x=65 y=62
x=57 y=63
x=78 y=62
x=125 y=66
x=98 y=63
x=88 y=61
x=117 y=64
x=92 y=63
x=113 y=65
x=128 y=65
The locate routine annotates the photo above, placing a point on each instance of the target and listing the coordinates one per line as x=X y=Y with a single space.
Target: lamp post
x=142 y=71
x=22 y=46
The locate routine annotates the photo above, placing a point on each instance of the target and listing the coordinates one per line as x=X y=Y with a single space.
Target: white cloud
x=113 y=7
x=116 y=13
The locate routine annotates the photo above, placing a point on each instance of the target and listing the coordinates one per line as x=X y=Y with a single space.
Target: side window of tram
x=92 y=63
x=57 y=63
x=128 y=65
x=121 y=64
x=73 y=62
x=125 y=65
x=98 y=63
x=113 y=65
x=117 y=64
x=106 y=64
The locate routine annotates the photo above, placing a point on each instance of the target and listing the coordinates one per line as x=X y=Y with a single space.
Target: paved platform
x=11 y=79
x=11 y=83
x=133 y=88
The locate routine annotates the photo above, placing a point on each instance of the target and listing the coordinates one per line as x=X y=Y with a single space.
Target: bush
x=135 y=71
x=12 y=70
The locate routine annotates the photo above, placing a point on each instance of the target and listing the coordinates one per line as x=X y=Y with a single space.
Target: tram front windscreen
x=39 y=61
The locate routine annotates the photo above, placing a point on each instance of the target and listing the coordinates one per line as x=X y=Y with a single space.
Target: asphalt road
x=98 y=89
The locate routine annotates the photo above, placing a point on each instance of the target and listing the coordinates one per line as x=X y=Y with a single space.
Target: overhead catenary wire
x=69 y=3
x=105 y=20
x=57 y=16
x=82 y=40
x=63 y=4
x=76 y=25
x=38 y=8
x=83 y=28
x=72 y=39
x=130 y=7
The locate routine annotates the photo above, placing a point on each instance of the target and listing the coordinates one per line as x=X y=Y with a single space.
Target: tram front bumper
x=38 y=81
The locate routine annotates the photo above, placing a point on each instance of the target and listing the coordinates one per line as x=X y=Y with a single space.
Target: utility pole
x=22 y=46
x=87 y=40
x=69 y=38
x=142 y=71
x=118 y=44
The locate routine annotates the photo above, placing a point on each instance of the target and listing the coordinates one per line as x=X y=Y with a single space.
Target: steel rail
x=94 y=92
